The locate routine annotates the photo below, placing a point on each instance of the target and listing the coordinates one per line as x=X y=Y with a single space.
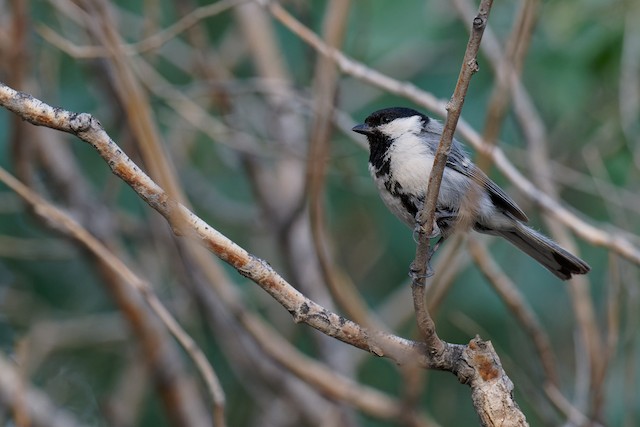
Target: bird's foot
x=414 y=272
x=417 y=231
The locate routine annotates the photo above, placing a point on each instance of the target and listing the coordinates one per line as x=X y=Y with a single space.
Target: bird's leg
x=441 y=227
x=415 y=269
x=432 y=251
x=434 y=248
x=417 y=231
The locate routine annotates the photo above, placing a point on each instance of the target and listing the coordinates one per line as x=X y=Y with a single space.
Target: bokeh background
x=245 y=119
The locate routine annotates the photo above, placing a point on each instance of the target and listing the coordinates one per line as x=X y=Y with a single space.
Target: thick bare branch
x=466 y=362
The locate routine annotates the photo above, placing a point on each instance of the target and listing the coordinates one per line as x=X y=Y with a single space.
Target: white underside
x=410 y=166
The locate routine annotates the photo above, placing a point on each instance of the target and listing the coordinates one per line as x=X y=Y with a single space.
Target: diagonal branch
x=38 y=409
x=613 y=239
x=70 y=227
x=475 y=364
x=185 y=222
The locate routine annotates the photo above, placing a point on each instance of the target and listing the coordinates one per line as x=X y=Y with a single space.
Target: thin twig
x=69 y=226
x=535 y=133
x=427 y=213
x=594 y=234
x=317 y=375
x=475 y=364
x=536 y=136
x=426 y=217
x=509 y=70
x=38 y=407
x=89 y=130
x=153 y=42
x=518 y=306
x=326 y=80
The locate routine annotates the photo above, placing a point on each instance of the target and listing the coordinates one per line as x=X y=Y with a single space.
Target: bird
x=402 y=146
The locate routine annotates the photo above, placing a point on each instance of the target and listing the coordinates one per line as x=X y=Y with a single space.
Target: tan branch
x=35 y=406
x=518 y=306
x=536 y=136
x=153 y=42
x=426 y=216
x=610 y=238
x=476 y=364
x=325 y=86
x=70 y=227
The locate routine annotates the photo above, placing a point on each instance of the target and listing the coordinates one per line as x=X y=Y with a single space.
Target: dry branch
x=514 y=300
x=611 y=238
x=35 y=407
x=475 y=364
x=70 y=227
x=426 y=216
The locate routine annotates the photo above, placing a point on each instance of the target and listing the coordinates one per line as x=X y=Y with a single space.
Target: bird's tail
x=548 y=253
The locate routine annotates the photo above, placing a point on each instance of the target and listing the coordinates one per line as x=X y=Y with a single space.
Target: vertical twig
x=535 y=133
x=508 y=69
x=427 y=213
x=326 y=79
x=612 y=239
x=475 y=364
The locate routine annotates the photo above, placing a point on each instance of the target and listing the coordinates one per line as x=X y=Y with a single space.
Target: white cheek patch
x=401 y=126
x=411 y=163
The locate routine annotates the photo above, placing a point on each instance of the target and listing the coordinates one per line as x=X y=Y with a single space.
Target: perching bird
x=402 y=145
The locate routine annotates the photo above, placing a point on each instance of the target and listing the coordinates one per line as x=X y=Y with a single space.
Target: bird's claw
x=414 y=272
x=417 y=231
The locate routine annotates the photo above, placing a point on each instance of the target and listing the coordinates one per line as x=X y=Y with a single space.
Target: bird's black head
x=381 y=123
x=383 y=127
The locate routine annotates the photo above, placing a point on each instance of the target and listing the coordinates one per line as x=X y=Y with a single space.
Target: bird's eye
x=385 y=119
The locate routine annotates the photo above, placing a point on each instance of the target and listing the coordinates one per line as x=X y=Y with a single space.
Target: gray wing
x=459 y=162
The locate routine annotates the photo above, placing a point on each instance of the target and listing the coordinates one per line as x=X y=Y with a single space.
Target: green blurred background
x=58 y=321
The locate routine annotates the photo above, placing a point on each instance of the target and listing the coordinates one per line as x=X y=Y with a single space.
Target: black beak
x=363 y=129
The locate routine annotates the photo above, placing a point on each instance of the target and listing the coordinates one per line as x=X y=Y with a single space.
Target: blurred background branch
x=243 y=111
